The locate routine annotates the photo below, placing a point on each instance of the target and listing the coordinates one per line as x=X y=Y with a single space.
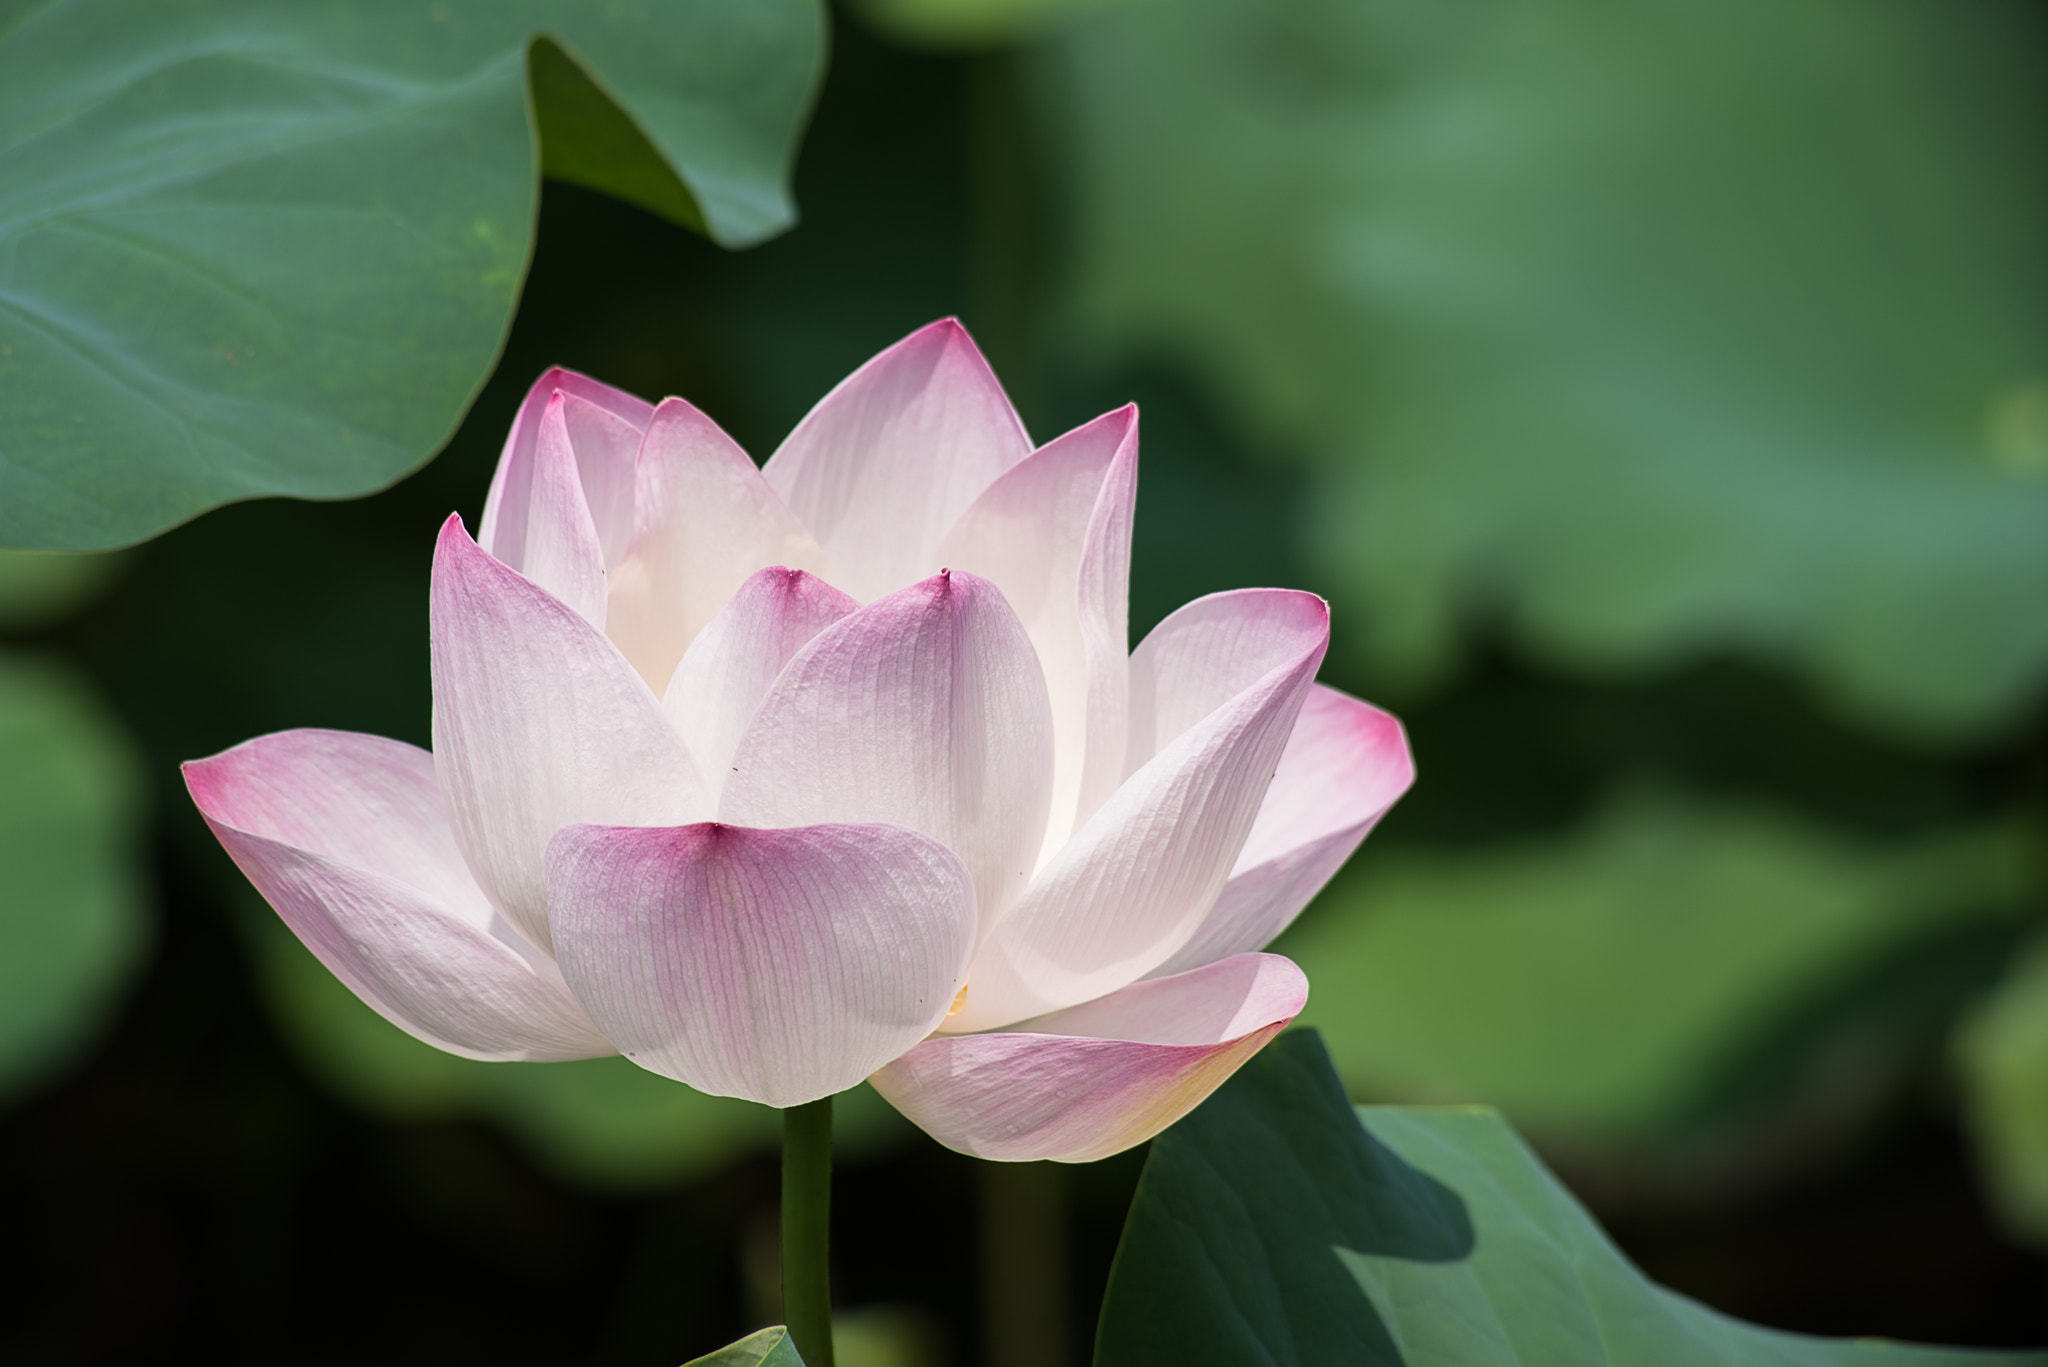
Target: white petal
x=1054 y=534
x=502 y=531
x=1138 y=878
x=563 y=553
x=704 y=520
x=779 y=966
x=927 y=710
x=1345 y=765
x=607 y=450
x=888 y=461
x=729 y=668
x=539 y=723
x=346 y=837
x=1095 y=1079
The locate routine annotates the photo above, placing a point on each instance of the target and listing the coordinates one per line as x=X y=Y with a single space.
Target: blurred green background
x=1659 y=391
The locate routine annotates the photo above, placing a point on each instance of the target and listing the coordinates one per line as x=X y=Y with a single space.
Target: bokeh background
x=1659 y=391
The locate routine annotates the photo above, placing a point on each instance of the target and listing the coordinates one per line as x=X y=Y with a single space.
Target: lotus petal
x=502 y=530
x=926 y=709
x=780 y=966
x=1054 y=534
x=563 y=553
x=345 y=835
x=734 y=661
x=704 y=520
x=539 y=722
x=888 y=461
x=1093 y=1080
x=607 y=449
x=1138 y=878
x=1344 y=766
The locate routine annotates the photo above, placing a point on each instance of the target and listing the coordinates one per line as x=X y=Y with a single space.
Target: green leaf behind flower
x=251 y=247
x=1648 y=330
x=1276 y=1224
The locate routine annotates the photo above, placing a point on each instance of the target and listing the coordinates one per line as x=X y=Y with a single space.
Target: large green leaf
x=1618 y=985
x=769 y=1347
x=252 y=247
x=2003 y=1049
x=72 y=923
x=1647 y=329
x=1276 y=1225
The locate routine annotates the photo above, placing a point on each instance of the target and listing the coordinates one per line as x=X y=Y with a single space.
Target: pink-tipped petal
x=927 y=710
x=607 y=450
x=780 y=966
x=346 y=837
x=1207 y=652
x=1344 y=766
x=729 y=668
x=888 y=461
x=704 y=520
x=1136 y=881
x=1054 y=534
x=502 y=530
x=539 y=723
x=563 y=553
x=1095 y=1079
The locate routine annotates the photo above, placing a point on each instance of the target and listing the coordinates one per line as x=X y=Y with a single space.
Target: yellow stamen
x=959 y=1000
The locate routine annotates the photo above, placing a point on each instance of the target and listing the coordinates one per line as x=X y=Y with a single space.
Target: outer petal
x=538 y=723
x=1138 y=878
x=704 y=520
x=890 y=459
x=927 y=710
x=563 y=553
x=1054 y=534
x=346 y=837
x=779 y=966
x=1345 y=765
x=502 y=531
x=1093 y=1080
x=729 y=668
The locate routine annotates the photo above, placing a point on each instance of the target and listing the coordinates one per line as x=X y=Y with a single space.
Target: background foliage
x=1650 y=329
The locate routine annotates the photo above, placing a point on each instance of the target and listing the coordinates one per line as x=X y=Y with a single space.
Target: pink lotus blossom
x=774 y=779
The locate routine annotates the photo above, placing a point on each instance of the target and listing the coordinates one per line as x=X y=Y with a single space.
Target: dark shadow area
x=191 y=1195
x=1892 y=1240
x=1514 y=749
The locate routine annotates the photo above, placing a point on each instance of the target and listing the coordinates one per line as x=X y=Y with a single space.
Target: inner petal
x=703 y=521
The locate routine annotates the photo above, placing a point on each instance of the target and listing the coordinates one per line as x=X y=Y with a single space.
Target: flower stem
x=807 y=1229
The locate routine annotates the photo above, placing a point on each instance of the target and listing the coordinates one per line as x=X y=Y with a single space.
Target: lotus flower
x=774 y=779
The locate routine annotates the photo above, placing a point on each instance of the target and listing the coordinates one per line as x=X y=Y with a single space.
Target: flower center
x=959 y=1000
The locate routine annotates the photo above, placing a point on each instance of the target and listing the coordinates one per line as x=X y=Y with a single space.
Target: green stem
x=807 y=1229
